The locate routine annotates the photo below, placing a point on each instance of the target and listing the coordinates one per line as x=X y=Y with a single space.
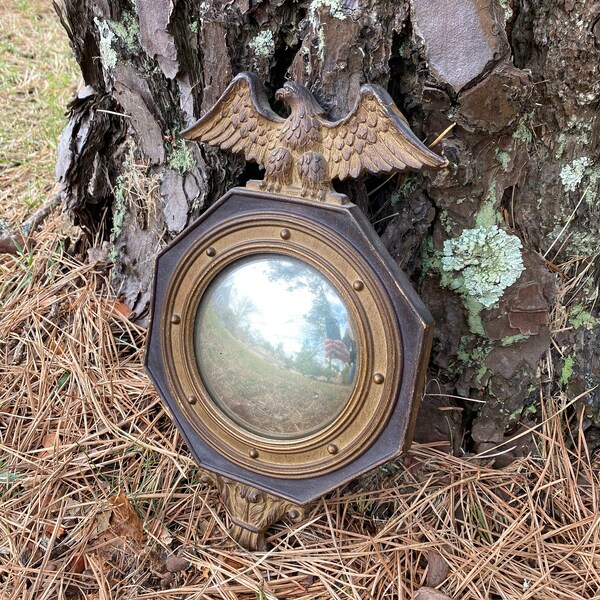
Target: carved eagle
x=302 y=153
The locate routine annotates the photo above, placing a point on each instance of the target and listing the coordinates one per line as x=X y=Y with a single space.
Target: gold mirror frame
x=379 y=375
x=301 y=154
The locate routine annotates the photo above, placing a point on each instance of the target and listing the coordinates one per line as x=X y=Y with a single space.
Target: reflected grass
x=260 y=394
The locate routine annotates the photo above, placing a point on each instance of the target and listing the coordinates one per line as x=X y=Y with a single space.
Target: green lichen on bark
x=486 y=261
x=180 y=158
x=263 y=44
x=521 y=412
x=510 y=340
x=410 y=182
x=474 y=309
x=580 y=317
x=127 y=30
x=120 y=209
x=503 y=158
x=567 y=370
x=473 y=352
x=592 y=173
x=108 y=56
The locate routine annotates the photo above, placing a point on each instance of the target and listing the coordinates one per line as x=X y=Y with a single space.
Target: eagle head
x=296 y=97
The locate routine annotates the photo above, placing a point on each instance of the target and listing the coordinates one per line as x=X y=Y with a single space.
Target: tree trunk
x=520 y=81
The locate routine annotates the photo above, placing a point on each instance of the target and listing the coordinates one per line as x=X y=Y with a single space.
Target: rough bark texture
x=519 y=79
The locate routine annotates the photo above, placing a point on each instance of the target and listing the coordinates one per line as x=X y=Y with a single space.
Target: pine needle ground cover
x=100 y=499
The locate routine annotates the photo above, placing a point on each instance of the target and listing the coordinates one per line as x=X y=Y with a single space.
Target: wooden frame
x=379 y=343
x=394 y=329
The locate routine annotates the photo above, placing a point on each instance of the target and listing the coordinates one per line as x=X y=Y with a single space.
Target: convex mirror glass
x=275 y=346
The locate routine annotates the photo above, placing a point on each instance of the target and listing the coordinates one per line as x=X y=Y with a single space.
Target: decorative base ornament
x=289 y=347
x=252 y=511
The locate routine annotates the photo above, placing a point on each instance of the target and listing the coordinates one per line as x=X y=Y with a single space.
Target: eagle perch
x=302 y=153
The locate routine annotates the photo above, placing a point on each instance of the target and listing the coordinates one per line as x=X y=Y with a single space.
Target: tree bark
x=520 y=81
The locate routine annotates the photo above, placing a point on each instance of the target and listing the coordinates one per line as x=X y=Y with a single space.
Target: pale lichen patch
x=335 y=8
x=487 y=216
x=572 y=174
x=263 y=44
x=108 y=56
x=507 y=9
x=486 y=260
x=503 y=158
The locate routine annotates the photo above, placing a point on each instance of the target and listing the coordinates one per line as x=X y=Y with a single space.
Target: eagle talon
x=273 y=187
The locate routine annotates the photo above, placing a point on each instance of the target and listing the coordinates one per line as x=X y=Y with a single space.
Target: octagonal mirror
x=289 y=347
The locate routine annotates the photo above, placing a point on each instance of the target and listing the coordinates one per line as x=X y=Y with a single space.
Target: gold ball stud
x=332 y=449
x=378 y=378
x=253 y=453
x=358 y=285
x=285 y=234
x=175 y=319
x=211 y=251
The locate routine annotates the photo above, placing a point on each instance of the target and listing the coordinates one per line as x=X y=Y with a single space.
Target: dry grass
x=80 y=424
x=37 y=77
x=100 y=498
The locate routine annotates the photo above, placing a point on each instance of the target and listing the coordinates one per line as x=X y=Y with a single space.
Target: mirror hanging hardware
x=287 y=344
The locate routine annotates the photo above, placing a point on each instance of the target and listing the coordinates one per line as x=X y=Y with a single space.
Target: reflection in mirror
x=275 y=346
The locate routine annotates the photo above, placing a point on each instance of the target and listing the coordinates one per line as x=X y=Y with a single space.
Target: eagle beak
x=280 y=94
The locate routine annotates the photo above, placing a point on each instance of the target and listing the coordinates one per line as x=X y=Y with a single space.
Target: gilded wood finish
x=302 y=153
x=252 y=511
x=379 y=343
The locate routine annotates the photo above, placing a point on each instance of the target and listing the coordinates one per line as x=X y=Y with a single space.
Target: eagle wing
x=241 y=121
x=374 y=137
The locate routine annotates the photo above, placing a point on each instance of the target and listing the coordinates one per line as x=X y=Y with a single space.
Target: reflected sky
x=275 y=346
x=274 y=299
